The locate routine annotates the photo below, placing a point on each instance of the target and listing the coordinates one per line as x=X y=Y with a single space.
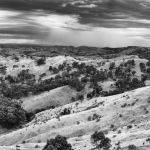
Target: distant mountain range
x=106 y=52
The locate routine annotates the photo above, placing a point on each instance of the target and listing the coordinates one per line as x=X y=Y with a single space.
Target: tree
x=41 y=61
x=133 y=72
x=135 y=83
x=59 y=143
x=148 y=63
x=112 y=65
x=100 y=141
x=143 y=78
x=11 y=112
x=66 y=111
x=76 y=83
x=80 y=97
x=142 y=67
x=132 y=147
x=148 y=70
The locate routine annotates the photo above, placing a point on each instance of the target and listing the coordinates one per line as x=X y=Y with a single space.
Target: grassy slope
x=63 y=95
x=76 y=126
x=56 y=97
x=135 y=113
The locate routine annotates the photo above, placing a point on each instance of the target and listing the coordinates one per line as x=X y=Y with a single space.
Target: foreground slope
x=125 y=117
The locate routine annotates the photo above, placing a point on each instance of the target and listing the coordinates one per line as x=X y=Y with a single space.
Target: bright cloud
x=86 y=22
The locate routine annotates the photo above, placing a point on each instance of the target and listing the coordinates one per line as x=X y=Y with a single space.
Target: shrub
x=11 y=113
x=129 y=126
x=112 y=66
x=25 y=75
x=36 y=146
x=73 y=99
x=66 y=111
x=89 y=118
x=80 y=97
x=76 y=83
x=100 y=141
x=135 y=83
x=41 y=61
x=142 y=67
x=143 y=78
x=90 y=95
x=133 y=72
x=3 y=69
x=148 y=70
x=132 y=147
x=148 y=63
x=59 y=143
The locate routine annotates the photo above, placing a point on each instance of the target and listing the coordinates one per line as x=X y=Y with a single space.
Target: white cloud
x=66 y=30
x=6 y=13
x=60 y=21
x=88 y=6
x=18 y=41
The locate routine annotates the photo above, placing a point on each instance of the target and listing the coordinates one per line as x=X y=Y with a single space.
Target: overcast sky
x=111 y=23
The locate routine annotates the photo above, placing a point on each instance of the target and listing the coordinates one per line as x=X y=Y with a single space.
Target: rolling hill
x=75 y=91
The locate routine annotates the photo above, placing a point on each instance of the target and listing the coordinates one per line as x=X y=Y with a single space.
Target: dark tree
x=148 y=64
x=41 y=61
x=59 y=143
x=112 y=66
x=148 y=70
x=66 y=111
x=142 y=67
x=100 y=141
x=11 y=112
x=132 y=147
x=135 y=83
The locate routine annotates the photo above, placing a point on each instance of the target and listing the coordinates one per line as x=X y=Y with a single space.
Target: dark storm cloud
x=96 y=12
x=28 y=32
x=18 y=25
x=76 y=22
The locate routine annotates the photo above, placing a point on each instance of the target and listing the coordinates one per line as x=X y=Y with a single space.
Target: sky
x=99 y=23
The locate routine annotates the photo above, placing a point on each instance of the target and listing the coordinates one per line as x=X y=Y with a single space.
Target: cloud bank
x=76 y=22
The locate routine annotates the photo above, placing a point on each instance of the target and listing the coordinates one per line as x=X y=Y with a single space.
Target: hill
x=106 y=52
x=124 y=117
x=73 y=92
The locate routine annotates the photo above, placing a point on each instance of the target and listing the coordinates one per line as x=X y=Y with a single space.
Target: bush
x=148 y=70
x=80 y=97
x=25 y=75
x=66 y=111
x=3 y=69
x=135 y=83
x=41 y=61
x=132 y=147
x=142 y=67
x=11 y=113
x=76 y=84
x=59 y=143
x=148 y=63
x=100 y=141
x=112 y=66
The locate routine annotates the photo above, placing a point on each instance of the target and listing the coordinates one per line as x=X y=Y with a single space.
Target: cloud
x=18 y=25
x=76 y=22
x=94 y=12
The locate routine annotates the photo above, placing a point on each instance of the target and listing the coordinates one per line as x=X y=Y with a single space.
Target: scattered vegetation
x=132 y=147
x=66 y=111
x=59 y=143
x=11 y=113
x=41 y=61
x=100 y=141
